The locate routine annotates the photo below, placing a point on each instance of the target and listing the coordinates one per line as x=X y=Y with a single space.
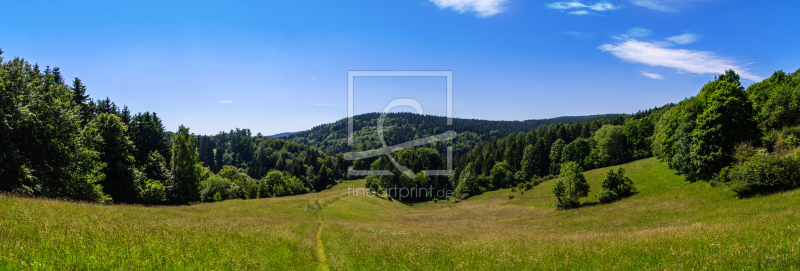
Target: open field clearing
x=670 y=224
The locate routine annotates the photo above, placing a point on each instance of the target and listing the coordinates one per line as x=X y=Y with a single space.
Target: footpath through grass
x=669 y=224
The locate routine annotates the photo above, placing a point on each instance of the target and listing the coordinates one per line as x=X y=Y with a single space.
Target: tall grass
x=669 y=224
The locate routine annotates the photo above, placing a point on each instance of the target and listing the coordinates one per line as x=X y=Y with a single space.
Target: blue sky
x=282 y=66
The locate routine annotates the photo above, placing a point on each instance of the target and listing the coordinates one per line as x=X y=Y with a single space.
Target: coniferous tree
x=80 y=97
x=116 y=151
x=184 y=187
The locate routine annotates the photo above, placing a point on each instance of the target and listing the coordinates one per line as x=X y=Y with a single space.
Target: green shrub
x=615 y=186
x=435 y=200
x=153 y=192
x=571 y=188
x=252 y=191
x=216 y=184
x=764 y=174
x=606 y=196
x=217 y=197
x=510 y=196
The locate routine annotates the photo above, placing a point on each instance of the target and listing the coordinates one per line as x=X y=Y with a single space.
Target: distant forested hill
x=282 y=134
x=402 y=127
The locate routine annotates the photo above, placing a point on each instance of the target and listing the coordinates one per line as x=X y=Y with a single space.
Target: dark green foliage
x=571 y=187
x=468 y=184
x=555 y=155
x=42 y=151
x=205 y=151
x=697 y=136
x=218 y=159
x=332 y=138
x=56 y=142
x=577 y=151
x=116 y=151
x=726 y=121
x=217 y=188
x=156 y=168
x=763 y=174
x=499 y=174
x=615 y=186
x=416 y=160
x=80 y=97
x=611 y=146
x=776 y=101
x=185 y=169
x=148 y=135
x=153 y=192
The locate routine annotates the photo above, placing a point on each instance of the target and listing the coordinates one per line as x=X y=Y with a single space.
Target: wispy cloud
x=652 y=75
x=664 y=5
x=584 y=36
x=579 y=12
x=483 y=8
x=225 y=102
x=636 y=32
x=683 y=39
x=692 y=61
x=601 y=6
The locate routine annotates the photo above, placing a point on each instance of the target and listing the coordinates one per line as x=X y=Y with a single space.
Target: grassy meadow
x=670 y=224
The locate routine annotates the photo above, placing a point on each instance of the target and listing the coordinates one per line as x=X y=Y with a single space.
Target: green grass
x=670 y=224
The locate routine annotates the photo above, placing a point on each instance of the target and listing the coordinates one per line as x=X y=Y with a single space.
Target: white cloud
x=601 y=6
x=636 y=32
x=584 y=36
x=656 y=54
x=484 y=8
x=579 y=12
x=683 y=39
x=225 y=102
x=663 y=5
x=639 y=32
x=652 y=75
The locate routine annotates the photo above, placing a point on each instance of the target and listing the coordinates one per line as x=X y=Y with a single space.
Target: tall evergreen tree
x=116 y=151
x=185 y=183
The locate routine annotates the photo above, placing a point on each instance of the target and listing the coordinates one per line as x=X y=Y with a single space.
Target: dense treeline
x=257 y=156
x=402 y=127
x=57 y=142
x=745 y=138
x=417 y=160
x=522 y=158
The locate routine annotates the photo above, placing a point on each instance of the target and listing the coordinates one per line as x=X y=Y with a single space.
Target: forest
x=58 y=142
x=55 y=141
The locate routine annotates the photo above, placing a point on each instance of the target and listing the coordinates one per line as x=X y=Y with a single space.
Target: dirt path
x=321 y=257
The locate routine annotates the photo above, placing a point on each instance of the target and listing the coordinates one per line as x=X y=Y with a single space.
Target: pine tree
x=186 y=173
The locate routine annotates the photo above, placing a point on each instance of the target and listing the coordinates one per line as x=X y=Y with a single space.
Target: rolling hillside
x=670 y=224
x=331 y=138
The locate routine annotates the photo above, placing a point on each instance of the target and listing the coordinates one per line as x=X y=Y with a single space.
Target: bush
x=214 y=185
x=252 y=191
x=571 y=188
x=435 y=200
x=764 y=174
x=153 y=192
x=606 y=196
x=616 y=186
x=510 y=196
x=217 y=197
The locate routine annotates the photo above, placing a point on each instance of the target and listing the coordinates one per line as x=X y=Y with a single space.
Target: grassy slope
x=670 y=224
